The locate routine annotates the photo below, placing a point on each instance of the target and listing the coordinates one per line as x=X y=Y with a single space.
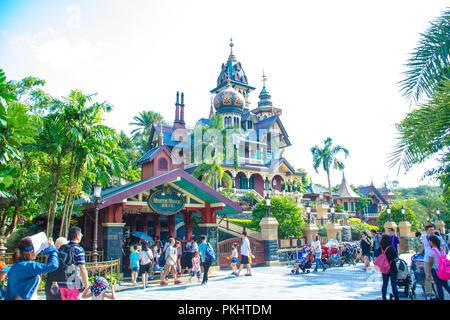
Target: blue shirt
x=134 y=259
x=23 y=278
x=202 y=249
x=395 y=242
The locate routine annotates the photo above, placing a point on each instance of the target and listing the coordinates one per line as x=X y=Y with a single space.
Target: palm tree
x=327 y=157
x=144 y=122
x=213 y=175
x=424 y=131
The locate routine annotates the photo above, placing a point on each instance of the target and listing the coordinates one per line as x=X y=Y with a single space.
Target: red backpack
x=382 y=264
x=443 y=271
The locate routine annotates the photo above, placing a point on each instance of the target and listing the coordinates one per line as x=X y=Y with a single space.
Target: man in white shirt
x=171 y=262
x=425 y=250
x=246 y=252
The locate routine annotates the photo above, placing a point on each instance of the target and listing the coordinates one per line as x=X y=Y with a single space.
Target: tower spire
x=160 y=137
x=231 y=57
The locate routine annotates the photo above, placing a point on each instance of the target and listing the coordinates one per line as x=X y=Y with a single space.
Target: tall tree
x=424 y=133
x=327 y=156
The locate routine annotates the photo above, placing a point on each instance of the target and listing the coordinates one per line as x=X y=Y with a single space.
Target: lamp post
x=308 y=211
x=97 y=196
x=266 y=184
x=332 y=210
x=388 y=211
x=403 y=213
x=268 y=204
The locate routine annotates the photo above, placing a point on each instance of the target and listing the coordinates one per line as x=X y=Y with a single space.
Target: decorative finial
x=231 y=57
x=264 y=79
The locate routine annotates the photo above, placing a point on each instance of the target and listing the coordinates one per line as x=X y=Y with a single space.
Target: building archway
x=278 y=180
x=258 y=183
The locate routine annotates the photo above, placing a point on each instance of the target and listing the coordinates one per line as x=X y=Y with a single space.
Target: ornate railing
x=7 y=258
x=109 y=270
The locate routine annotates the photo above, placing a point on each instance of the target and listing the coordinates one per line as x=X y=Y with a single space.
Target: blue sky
x=332 y=66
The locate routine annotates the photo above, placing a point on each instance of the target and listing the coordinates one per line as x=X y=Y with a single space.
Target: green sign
x=166 y=201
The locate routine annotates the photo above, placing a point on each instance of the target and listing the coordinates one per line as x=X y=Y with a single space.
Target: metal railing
x=109 y=270
x=238 y=228
x=7 y=258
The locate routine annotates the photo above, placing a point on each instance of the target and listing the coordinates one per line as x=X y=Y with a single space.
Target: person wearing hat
x=3 y=274
x=24 y=276
x=97 y=291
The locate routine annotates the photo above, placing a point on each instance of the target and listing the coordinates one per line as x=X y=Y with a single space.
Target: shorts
x=198 y=273
x=234 y=260
x=146 y=267
x=135 y=269
x=69 y=294
x=244 y=259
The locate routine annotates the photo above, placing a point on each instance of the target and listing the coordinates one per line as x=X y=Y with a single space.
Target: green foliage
x=359 y=226
x=424 y=133
x=288 y=215
x=327 y=156
x=396 y=216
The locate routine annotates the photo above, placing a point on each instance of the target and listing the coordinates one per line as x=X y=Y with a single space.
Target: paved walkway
x=339 y=283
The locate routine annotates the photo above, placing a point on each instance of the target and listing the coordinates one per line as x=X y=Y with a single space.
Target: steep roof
x=345 y=191
x=366 y=190
x=151 y=154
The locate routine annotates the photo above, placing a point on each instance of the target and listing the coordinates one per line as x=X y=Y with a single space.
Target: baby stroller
x=335 y=256
x=325 y=256
x=349 y=254
x=304 y=262
x=403 y=276
x=418 y=275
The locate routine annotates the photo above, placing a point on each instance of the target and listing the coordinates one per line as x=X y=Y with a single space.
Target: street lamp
x=403 y=213
x=97 y=196
x=268 y=204
x=266 y=184
x=332 y=210
x=388 y=211
x=308 y=211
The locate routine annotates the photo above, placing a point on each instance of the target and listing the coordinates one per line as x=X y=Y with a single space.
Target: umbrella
x=332 y=242
x=142 y=235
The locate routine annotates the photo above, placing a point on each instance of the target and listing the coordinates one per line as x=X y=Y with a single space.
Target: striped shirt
x=78 y=253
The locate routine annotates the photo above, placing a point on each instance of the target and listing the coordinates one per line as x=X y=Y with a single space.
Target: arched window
x=162 y=164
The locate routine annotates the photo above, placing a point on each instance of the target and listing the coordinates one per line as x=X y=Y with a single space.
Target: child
x=234 y=258
x=98 y=290
x=134 y=264
x=196 y=267
x=3 y=273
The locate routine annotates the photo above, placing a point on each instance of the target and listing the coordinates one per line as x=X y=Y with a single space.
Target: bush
x=396 y=216
x=288 y=215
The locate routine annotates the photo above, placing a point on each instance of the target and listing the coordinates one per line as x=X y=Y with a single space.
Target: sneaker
x=315 y=270
x=177 y=282
x=248 y=275
x=179 y=274
x=163 y=283
x=152 y=278
x=364 y=268
x=324 y=269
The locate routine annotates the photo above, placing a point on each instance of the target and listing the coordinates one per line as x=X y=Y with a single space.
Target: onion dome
x=229 y=99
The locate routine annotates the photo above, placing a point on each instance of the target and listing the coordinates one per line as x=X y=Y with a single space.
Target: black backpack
x=66 y=265
x=162 y=258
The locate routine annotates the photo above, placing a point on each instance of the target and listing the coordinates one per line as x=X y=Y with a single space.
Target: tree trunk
x=13 y=224
x=4 y=216
x=69 y=217
x=55 y=198
x=329 y=188
x=67 y=197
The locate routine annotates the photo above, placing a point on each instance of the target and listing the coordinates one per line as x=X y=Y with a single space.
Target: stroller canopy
x=332 y=242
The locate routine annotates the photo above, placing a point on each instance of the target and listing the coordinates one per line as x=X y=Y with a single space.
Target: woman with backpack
x=386 y=262
x=433 y=266
x=146 y=262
